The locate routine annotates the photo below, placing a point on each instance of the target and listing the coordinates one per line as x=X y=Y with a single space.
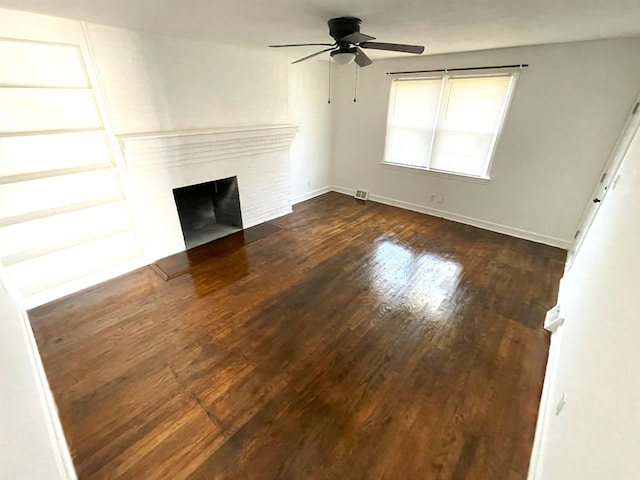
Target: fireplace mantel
x=157 y=163
x=162 y=149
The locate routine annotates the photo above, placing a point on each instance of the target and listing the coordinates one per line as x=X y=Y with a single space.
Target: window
x=447 y=124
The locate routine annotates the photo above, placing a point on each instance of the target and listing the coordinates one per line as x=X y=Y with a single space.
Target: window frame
x=513 y=73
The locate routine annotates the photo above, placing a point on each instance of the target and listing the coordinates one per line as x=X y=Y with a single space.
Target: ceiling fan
x=349 y=43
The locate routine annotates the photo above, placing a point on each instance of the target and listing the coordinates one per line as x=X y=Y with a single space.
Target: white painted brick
x=156 y=164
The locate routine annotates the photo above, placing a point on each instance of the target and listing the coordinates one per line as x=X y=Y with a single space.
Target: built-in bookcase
x=64 y=213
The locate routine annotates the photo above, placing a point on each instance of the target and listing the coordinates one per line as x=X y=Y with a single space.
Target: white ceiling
x=442 y=25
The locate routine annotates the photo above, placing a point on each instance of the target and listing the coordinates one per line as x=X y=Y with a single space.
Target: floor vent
x=362 y=194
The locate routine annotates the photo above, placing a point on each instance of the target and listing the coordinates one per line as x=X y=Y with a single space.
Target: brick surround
x=158 y=163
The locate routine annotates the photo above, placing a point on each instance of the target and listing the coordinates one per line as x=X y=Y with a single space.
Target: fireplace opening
x=208 y=211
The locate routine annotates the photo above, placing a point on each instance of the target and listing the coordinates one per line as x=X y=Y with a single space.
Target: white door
x=607 y=179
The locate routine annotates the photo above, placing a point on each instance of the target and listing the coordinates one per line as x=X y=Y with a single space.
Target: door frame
x=608 y=179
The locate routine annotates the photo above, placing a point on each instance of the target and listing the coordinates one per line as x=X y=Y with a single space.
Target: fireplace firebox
x=208 y=211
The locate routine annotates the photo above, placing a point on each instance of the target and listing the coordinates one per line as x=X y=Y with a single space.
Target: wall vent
x=362 y=194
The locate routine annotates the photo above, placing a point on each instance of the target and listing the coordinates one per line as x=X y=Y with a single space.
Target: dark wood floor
x=360 y=341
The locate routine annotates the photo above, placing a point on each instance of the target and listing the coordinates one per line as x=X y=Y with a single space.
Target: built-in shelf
x=27 y=217
x=62 y=245
x=25 y=177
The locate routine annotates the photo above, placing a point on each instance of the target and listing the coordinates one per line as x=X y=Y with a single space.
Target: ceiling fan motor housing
x=342 y=26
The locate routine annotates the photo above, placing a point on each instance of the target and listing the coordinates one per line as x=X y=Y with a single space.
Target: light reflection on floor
x=412 y=280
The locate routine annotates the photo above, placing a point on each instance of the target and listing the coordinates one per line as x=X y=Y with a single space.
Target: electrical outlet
x=561 y=403
x=436 y=199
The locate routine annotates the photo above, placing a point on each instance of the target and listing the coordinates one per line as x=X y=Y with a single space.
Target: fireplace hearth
x=208 y=211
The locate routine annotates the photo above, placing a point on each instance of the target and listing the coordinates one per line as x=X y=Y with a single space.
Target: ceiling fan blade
x=357 y=37
x=394 y=47
x=304 y=45
x=312 y=55
x=361 y=58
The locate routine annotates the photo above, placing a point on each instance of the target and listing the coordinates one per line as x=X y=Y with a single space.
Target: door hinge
x=604 y=175
x=635 y=108
x=576 y=235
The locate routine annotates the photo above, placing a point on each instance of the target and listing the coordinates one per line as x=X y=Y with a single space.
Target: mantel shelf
x=206 y=131
x=186 y=147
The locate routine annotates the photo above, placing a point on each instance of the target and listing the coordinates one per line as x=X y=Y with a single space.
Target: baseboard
x=545 y=410
x=57 y=440
x=310 y=195
x=33 y=301
x=56 y=434
x=280 y=213
x=475 y=222
x=60 y=291
x=346 y=191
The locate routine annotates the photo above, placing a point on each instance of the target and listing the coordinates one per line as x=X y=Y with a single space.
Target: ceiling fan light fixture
x=343 y=58
x=349 y=43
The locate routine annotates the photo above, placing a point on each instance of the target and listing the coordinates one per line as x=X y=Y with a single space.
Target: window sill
x=436 y=173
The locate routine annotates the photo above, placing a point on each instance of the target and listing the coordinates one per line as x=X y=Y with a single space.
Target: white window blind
x=447 y=124
x=412 y=120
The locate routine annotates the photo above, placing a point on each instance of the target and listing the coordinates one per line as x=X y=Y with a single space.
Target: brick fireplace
x=158 y=164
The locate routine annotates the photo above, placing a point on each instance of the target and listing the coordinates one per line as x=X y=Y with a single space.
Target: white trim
x=72 y=207
x=64 y=461
x=309 y=195
x=82 y=283
x=475 y=222
x=35 y=252
x=285 y=211
x=545 y=408
x=435 y=173
x=180 y=148
x=56 y=434
x=601 y=188
x=178 y=134
x=26 y=177
x=117 y=156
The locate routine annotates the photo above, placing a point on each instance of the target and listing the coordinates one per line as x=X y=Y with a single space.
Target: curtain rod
x=447 y=70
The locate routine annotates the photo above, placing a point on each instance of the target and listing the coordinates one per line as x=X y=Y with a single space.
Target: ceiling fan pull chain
x=329 y=82
x=355 y=90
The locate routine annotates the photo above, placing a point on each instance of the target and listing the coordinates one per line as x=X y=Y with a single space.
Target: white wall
x=596 y=436
x=567 y=111
x=31 y=443
x=311 y=149
x=157 y=83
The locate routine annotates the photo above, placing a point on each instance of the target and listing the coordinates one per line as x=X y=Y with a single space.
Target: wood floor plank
x=354 y=341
